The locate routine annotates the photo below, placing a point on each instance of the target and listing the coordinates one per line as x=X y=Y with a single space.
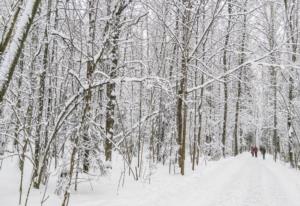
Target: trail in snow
x=240 y=181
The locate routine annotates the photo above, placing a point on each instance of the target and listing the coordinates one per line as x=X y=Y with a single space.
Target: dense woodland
x=152 y=81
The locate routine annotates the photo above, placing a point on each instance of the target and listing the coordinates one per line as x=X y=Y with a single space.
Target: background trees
x=151 y=81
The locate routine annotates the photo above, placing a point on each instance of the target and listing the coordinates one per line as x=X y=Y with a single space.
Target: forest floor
x=239 y=181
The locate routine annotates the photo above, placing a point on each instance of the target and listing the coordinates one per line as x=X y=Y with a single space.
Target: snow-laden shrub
x=213 y=148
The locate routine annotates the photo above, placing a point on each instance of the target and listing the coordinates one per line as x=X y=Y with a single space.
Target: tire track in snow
x=240 y=181
x=242 y=187
x=279 y=190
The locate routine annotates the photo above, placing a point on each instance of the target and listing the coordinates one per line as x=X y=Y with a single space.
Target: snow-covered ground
x=240 y=181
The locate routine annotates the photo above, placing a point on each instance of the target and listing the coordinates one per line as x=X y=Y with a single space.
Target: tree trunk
x=88 y=95
x=182 y=92
x=13 y=51
x=239 y=86
x=225 y=66
x=111 y=93
x=292 y=36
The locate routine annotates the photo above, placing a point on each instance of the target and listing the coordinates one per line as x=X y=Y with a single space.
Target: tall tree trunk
x=275 y=138
x=200 y=119
x=182 y=92
x=42 y=86
x=292 y=36
x=239 y=86
x=225 y=66
x=200 y=107
x=90 y=68
x=13 y=51
x=111 y=93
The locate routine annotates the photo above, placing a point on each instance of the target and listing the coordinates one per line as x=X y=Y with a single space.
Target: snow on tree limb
x=11 y=56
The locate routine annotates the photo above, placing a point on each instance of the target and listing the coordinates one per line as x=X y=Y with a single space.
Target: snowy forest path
x=239 y=181
x=259 y=182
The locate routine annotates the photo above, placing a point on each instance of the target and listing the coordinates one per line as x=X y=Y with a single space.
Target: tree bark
x=239 y=86
x=182 y=92
x=225 y=66
x=13 y=51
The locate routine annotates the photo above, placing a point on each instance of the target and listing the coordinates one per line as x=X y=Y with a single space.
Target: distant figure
x=252 y=151
x=255 y=150
x=263 y=151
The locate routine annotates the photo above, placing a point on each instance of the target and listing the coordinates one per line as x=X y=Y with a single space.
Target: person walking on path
x=263 y=151
x=255 y=150
x=252 y=151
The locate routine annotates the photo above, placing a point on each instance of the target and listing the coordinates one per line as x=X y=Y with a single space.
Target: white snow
x=240 y=181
